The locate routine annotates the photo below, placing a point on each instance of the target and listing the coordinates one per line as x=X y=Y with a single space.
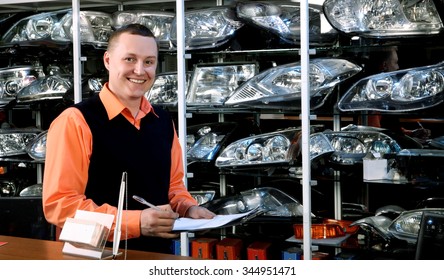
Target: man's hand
x=158 y=223
x=197 y=212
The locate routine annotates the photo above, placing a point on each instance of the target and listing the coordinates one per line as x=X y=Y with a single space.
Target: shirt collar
x=114 y=107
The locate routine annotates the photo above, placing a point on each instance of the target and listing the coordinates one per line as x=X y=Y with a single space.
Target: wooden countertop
x=18 y=248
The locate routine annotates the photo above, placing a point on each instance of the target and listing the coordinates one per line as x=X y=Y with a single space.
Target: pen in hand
x=143 y=201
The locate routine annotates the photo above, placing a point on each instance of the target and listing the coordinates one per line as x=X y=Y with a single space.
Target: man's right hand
x=157 y=223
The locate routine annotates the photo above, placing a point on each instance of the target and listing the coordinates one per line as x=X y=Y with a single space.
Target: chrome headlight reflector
x=398 y=91
x=387 y=18
x=45 y=88
x=284 y=21
x=207 y=28
x=36 y=148
x=280 y=147
x=14 y=141
x=95 y=28
x=164 y=90
x=283 y=83
x=214 y=83
x=14 y=79
x=158 y=22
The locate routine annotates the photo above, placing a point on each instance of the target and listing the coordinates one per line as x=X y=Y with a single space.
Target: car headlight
x=204 y=141
x=164 y=90
x=271 y=201
x=95 y=28
x=45 y=88
x=203 y=197
x=387 y=18
x=211 y=84
x=283 y=83
x=36 y=148
x=13 y=79
x=283 y=19
x=408 y=224
x=207 y=28
x=8 y=188
x=14 y=141
x=351 y=146
x=275 y=148
x=158 y=22
x=398 y=91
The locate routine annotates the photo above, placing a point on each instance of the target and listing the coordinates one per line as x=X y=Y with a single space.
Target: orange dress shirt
x=68 y=151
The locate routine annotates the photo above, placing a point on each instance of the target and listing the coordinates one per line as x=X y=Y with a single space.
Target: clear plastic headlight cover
x=351 y=146
x=14 y=79
x=158 y=22
x=398 y=91
x=45 y=88
x=211 y=84
x=407 y=225
x=383 y=18
x=283 y=83
x=165 y=89
x=95 y=28
x=273 y=202
x=283 y=19
x=14 y=141
x=36 y=148
x=207 y=28
x=275 y=148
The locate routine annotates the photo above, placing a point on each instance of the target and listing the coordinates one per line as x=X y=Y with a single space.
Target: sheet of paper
x=188 y=224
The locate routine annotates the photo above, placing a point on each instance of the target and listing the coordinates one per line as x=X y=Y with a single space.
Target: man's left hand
x=197 y=212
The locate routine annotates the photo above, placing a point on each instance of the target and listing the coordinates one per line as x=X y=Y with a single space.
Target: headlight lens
x=95 y=28
x=45 y=88
x=212 y=84
x=158 y=22
x=280 y=147
x=164 y=90
x=399 y=91
x=386 y=18
x=283 y=83
x=36 y=148
x=208 y=28
x=351 y=146
x=13 y=79
x=13 y=142
x=284 y=21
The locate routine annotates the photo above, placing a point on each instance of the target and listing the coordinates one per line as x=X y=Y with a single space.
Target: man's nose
x=139 y=68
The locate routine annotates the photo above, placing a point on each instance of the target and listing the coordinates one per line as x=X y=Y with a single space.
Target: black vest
x=144 y=154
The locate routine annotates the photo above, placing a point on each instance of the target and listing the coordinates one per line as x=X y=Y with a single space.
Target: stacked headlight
x=385 y=18
x=283 y=83
x=14 y=79
x=165 y=89
x=207 y=28
x=283 y=19
x=158 y=22
x=14 y=141
x=36 y=148
x=45 y=88
x=398 y=91
x=211 y=84
x=95 y=28
x=275 y=148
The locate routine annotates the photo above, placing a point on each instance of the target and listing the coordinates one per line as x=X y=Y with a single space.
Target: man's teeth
x=137 y=81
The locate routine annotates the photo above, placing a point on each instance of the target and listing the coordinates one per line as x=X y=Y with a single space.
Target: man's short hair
x=134 y=29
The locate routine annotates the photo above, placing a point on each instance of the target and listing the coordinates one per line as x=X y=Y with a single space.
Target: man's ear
x=106 y=60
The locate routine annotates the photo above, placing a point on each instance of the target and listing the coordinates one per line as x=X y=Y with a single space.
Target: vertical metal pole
x=305 y=116
x=181 y=106
x=76 y=51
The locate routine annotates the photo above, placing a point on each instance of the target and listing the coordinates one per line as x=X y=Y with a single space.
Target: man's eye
x=129 y=59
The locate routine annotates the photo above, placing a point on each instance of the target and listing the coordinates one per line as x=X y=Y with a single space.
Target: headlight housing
x=207 y=28
x=382 y=19
x=283 y=19
x=275 y=148
x=158 y=22
x=14 y=79
x=211 y=84
x=45 y=88
x=282 y=84
x=95 y=28
x=36 y=148
x=13 y=141
x=398 y=91
x=164 y=90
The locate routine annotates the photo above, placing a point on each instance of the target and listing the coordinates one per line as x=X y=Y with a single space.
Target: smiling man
x=90 y=144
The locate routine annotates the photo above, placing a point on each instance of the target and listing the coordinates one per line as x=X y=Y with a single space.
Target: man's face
x=131 y=64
